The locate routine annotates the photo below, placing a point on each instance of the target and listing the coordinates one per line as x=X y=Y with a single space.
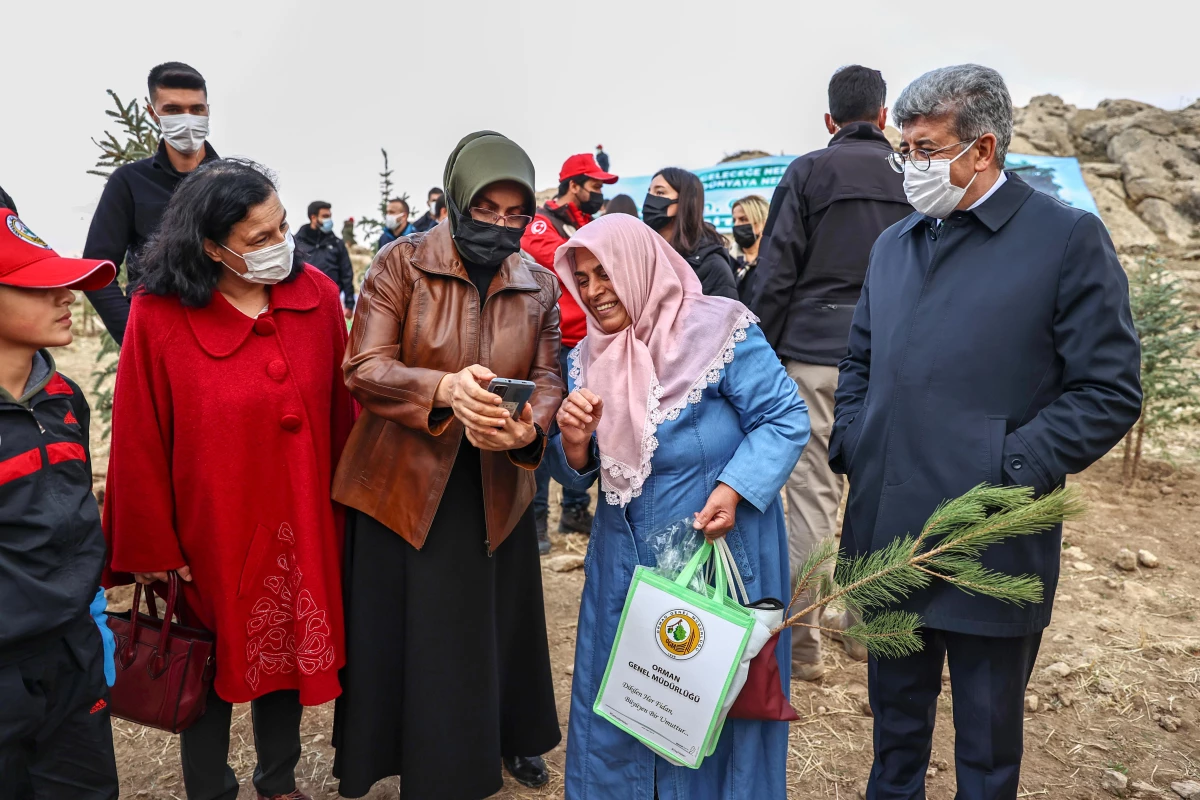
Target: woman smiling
x=681 y=406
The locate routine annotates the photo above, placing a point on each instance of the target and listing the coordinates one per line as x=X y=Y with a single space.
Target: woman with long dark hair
x=448 y=665
x=229 y=417
x=674 y=207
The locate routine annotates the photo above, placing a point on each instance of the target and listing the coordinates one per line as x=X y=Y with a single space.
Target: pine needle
x=891 y=634
x=813 y=574
x=882 y=578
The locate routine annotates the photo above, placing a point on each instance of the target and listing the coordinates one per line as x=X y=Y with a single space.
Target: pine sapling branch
x=948 y=548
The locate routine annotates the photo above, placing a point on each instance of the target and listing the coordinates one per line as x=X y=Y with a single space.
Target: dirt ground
x=1128 y=641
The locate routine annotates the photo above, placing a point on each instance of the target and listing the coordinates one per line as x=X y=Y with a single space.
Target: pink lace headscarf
x=678 y=342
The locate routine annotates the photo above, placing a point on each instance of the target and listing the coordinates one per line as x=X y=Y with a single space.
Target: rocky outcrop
x=1141 y=163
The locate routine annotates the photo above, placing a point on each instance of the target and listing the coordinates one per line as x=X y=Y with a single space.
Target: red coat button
x=289 y=422
x=277 y=369
x=264 y=326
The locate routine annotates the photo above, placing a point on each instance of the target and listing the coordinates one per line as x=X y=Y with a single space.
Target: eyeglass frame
x=897 y=160
x=500 y=218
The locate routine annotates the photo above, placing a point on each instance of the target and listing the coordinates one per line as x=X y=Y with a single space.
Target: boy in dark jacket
x=55 y=735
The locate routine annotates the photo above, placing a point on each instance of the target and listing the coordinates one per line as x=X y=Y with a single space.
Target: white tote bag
x=674 y=660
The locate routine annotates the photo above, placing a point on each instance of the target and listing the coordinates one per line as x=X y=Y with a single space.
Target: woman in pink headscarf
x=679 y=404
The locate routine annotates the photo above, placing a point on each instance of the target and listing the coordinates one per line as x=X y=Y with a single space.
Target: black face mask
x=593 y=204
x=483 y=244
x=744 y=235
x=654 y=211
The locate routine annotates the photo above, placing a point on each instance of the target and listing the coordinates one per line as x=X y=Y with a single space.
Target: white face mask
x=930 y=191
x=392 y=221
x=185 y=132
x=268 y=265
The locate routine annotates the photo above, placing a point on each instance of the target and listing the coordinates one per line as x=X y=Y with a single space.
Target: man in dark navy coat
x=992 y=343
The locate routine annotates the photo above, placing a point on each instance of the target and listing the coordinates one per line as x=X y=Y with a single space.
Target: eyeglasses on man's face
x=919 y=158
x=514 y=222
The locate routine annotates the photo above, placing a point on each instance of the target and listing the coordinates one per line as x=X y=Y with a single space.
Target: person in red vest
x=580 y=195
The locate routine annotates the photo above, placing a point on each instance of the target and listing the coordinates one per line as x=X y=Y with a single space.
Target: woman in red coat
x=229 y=416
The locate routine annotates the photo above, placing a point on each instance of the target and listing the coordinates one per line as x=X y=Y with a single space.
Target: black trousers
x=205 y=747
x=988 y=676
x=55 y=735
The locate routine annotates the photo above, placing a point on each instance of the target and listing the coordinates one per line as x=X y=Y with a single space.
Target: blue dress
x=747 y=431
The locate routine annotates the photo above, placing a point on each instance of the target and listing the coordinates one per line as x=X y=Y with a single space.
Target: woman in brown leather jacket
x=448 y=668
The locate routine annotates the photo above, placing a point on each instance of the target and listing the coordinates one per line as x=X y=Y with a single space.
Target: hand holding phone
x=513 y=394
x=464 y=393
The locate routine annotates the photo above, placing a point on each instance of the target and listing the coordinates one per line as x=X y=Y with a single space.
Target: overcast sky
x=314 y=89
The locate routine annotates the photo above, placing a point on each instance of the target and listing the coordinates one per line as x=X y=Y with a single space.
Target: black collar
x=995 y=211
x=860 y=131
x=163 y=161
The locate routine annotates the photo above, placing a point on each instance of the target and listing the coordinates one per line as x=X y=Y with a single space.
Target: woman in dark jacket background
x=749 y=218
x=674 y=207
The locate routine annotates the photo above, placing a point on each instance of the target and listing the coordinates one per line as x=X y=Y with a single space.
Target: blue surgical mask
x=327 y=225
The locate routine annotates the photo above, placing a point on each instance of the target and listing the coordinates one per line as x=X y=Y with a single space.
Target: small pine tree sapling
x=1170 y=381
x=948 y=548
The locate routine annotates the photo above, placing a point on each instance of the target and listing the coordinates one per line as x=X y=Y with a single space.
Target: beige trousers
x=813 y=491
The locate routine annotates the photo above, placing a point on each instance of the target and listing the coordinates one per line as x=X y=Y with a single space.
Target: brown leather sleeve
x=550 y=391
x=374 y=373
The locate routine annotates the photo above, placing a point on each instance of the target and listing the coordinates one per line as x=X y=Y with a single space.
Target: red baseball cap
x=28 y=262
x=585 y=164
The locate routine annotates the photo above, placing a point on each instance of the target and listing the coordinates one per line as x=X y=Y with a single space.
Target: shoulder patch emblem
x=21 y=231
x=539 y=226
x=70 y=418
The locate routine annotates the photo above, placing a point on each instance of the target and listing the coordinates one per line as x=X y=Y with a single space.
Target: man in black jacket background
x=429 y=219
x=136 y=194
x=825 y=214
x=326 y=251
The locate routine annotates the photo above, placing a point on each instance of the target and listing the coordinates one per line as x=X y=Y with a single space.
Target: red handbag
x=762 y=697
x=164 y=668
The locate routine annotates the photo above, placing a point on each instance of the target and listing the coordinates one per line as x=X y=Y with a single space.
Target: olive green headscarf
x=480 y=159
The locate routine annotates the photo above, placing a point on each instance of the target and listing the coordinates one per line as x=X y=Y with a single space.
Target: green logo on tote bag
x=680 y=634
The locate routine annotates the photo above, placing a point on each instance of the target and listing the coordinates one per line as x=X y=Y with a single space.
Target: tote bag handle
x=725 y=559
x=702 y=557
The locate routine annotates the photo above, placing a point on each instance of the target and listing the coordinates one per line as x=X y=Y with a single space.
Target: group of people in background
x=356 y=517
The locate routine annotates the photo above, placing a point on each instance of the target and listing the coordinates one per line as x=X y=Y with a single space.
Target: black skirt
x=447 y=663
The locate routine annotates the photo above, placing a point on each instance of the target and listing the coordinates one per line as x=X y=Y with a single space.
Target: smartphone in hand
x=514 y=393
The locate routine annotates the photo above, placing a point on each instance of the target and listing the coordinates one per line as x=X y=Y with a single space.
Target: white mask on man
x=930 y=191
x=268 y=265
x=392 y=222
x=185 y=132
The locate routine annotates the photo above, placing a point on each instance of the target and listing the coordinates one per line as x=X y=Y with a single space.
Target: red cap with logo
x=28 y=262
x=585 y=164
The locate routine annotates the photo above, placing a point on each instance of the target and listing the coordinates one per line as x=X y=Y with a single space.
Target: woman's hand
x=719 y=514
x=147 y=578
x=578 y=418
x=465 y=393
x=515 y=434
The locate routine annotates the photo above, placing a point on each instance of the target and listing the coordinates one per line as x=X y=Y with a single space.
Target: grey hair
x=974 y=97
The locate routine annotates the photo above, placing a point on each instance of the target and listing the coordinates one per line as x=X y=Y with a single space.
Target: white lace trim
x=656 y=416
